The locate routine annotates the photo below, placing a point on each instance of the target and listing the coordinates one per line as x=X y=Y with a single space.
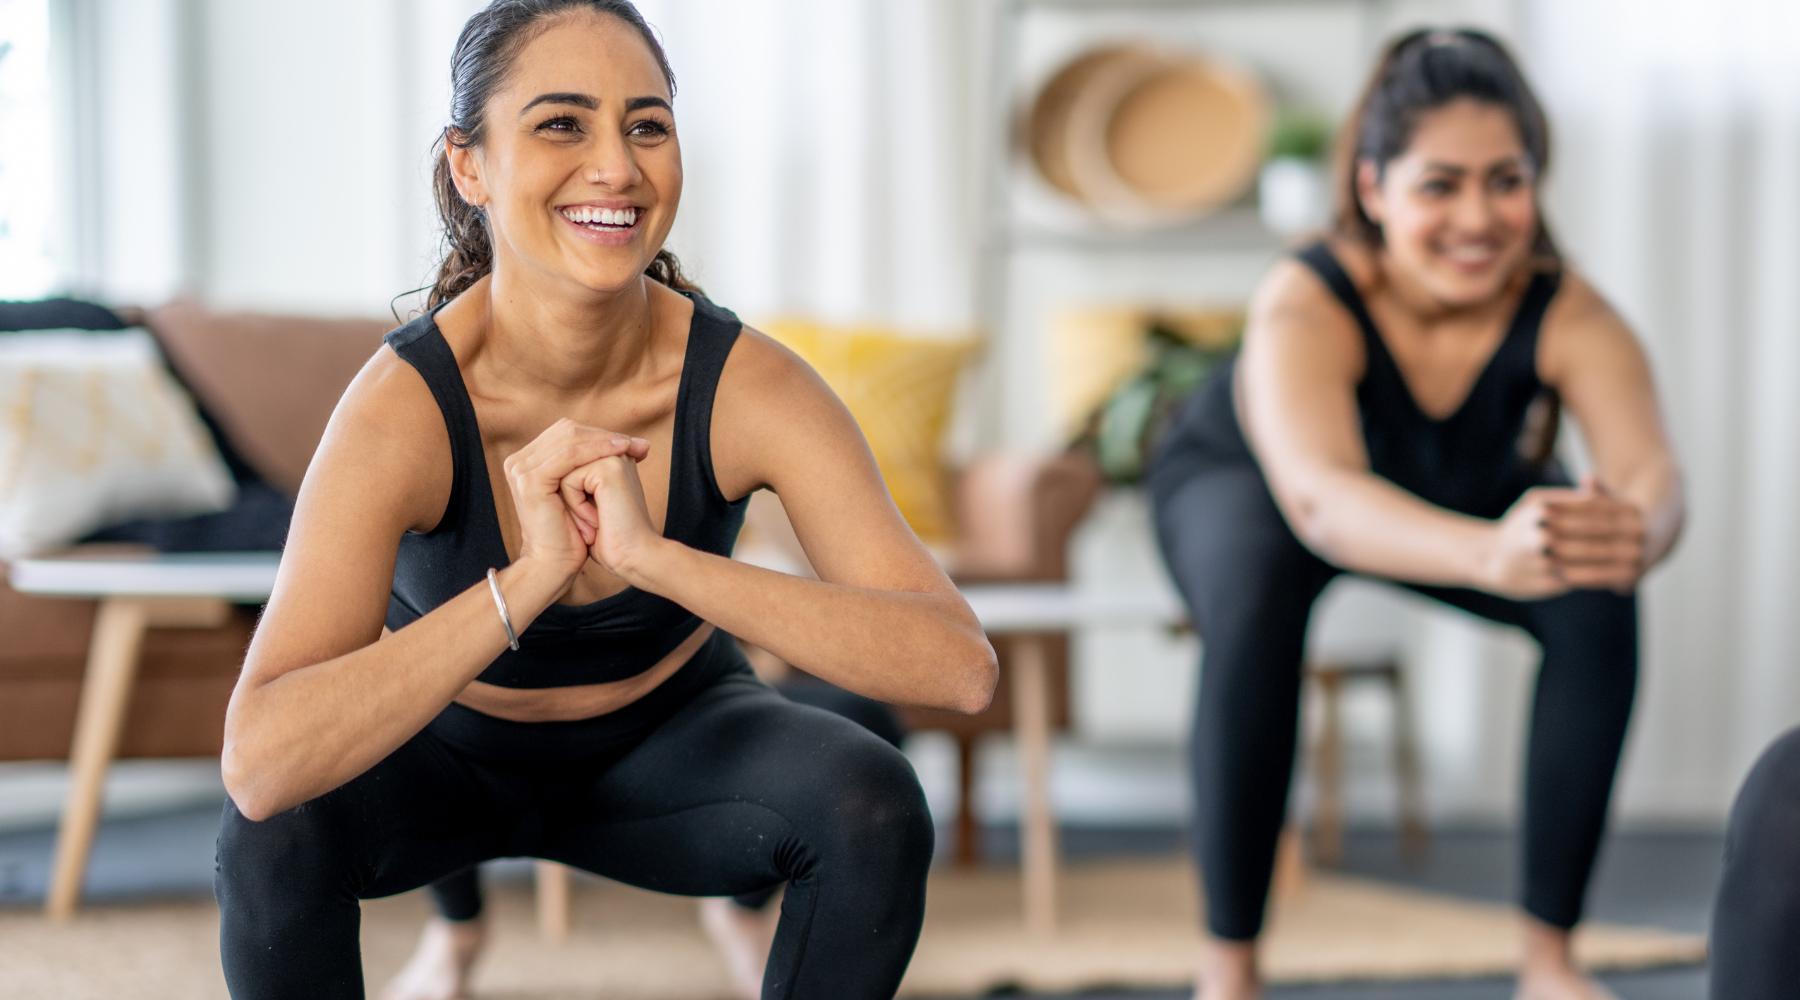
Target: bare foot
x=1228 y=972
x=1559 y=984
x=743 y=938
x=1226 y=991
x=439 y=966
x=1548 y=971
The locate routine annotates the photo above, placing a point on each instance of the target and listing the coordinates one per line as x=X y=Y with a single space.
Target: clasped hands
x=578 y=497
x=1556 y=539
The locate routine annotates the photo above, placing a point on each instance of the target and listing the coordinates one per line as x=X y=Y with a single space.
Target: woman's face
x=1458 y=208
x=579 y=169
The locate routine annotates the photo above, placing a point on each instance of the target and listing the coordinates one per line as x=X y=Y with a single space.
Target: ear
x=465 y=172
x=1368 y=191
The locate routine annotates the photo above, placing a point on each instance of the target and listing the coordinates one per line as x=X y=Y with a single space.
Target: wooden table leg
x=1328 y=808
x=105 y=694
x=1031 y=726
x=553 y=900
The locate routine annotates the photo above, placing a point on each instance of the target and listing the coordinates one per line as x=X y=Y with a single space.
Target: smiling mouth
x=605 y=220
x=1471 y=255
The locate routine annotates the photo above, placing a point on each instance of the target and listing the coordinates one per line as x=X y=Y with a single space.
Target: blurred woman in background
x=1378 y=422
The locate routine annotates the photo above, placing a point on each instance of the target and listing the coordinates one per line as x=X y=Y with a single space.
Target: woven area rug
x=1125 y=924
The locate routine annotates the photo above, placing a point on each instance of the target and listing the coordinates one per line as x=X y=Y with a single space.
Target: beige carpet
x=1125 y=924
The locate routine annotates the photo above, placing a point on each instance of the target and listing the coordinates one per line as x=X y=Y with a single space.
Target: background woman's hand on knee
x=1597 y=539
x=1555 y=539
x=557 y=524
x=1520 y=563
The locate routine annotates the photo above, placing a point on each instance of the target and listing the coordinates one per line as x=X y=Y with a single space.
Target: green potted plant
x=1292 y=194
x=1126 y=427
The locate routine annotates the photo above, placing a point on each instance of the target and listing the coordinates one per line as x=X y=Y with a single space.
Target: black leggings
x=1756 y=919
x=1251 y=585
x=711 y=785
x=458 y=896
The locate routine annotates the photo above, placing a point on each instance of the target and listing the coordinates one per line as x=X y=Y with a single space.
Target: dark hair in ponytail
x=484 y=54
x=1419 y=72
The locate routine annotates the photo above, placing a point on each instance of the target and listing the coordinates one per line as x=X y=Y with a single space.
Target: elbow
x=245 y=797
x=978 y=677
x=248 y=782
x=1313 y=527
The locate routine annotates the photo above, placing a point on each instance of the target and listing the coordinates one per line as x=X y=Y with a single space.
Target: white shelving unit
x=1024 y=223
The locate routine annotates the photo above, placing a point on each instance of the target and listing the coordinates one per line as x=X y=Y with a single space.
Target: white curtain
x=1678 y=190
x=828 y=154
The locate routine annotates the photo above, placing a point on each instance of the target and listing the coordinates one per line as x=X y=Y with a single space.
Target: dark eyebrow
x=563 y=97
x=593 y=104
x=1457 y=170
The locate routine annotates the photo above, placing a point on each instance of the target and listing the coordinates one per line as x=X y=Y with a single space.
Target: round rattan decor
x=1143 y=136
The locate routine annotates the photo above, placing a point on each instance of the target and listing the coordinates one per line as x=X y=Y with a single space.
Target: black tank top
x=1469 y=461
x=609 y=639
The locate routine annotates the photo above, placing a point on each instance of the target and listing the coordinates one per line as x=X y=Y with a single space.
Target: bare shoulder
x=761 y=367
x=1581 y=327
x=1579 y=304
x=1292 y=310
x=387 y=423
x=767 y=395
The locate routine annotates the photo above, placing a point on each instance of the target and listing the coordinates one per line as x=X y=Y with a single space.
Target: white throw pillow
x=94 y=431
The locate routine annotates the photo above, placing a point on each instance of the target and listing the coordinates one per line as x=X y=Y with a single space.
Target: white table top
x=250 y=576
x=1034 y=607
x=237 y=576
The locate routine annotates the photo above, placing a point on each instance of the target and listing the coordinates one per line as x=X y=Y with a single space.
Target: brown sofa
x=270 y=383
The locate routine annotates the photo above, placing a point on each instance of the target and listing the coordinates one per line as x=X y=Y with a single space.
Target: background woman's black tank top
x=1470 y=461
x=609 y=639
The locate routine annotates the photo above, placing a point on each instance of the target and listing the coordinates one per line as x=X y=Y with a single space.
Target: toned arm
x=882 y=619
x=323 y=695
x=1599 y=369
x=1297 y=374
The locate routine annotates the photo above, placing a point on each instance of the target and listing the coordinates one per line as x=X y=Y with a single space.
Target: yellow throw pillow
x=900 y=389
x=1095 y=349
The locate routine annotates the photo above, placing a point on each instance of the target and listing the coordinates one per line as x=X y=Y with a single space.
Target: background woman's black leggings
x=458 y=896
x=1756 y=919
x=1251 y=586
x=711 y=785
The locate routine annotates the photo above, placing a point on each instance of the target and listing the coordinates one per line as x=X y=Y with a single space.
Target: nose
x=612 y=164
x=1473 y=212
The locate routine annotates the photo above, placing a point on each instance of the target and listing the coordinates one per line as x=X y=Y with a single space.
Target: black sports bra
x=607 y=640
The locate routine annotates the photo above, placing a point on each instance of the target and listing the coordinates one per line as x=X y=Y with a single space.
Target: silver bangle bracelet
x=512 y=639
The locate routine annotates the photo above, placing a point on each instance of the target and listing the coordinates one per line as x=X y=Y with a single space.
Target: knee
x=1765 y=820
x=1595 y=626
x=282 y=857
x=879 y=815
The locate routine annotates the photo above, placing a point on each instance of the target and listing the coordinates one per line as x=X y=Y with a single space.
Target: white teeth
x=604 y=216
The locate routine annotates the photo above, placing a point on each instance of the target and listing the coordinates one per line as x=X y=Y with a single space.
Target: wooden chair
x=1330 y=678
x=1015 y=516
